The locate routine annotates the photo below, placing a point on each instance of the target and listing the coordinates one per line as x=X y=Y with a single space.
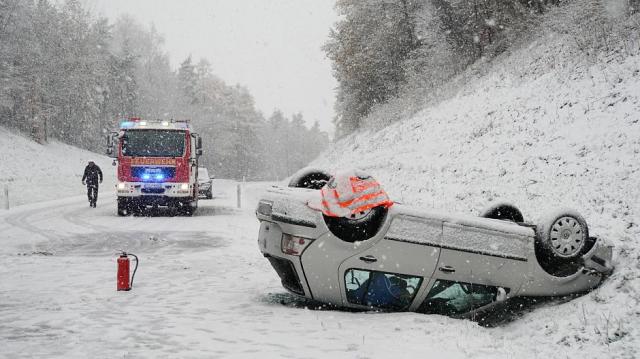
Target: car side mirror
x=501 y=296
x=114 y=163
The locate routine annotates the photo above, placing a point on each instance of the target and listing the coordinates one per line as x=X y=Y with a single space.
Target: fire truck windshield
x=153 y=143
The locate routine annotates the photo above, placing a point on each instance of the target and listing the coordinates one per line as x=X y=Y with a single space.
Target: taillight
x=294 y=245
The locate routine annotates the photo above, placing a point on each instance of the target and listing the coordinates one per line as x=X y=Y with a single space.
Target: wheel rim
x=567 y=237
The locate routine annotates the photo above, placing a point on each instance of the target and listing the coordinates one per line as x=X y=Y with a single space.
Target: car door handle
x=447 y=269
x=369 y=259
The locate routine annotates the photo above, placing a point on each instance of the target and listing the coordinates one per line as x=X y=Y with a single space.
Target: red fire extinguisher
x=123 y=271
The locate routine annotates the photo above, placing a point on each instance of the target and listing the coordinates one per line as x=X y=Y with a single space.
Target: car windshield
x=203 y=174
x=153 y=143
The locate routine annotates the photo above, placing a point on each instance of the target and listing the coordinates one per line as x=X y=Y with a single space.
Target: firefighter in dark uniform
x=92 y=176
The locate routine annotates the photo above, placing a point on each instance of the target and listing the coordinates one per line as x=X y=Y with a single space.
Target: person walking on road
x=92 y=176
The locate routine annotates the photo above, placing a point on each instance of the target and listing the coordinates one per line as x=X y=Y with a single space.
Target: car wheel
x=561 y=240
x=209 y=195
x=311 y=178
x=357 y=227
x=503 y=211
x=564 y=234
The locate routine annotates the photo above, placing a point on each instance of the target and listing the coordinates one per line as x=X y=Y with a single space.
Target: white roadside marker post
x=6 y=196
x=239 y=195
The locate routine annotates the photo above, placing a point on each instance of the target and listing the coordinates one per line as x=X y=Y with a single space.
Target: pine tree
x=368 y=48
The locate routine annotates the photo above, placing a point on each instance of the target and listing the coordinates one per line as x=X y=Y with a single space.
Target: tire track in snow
x=75 y=217
x=23 y=220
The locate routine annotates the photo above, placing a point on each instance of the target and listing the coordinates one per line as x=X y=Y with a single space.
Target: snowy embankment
x=35 y=172
x=545 y=129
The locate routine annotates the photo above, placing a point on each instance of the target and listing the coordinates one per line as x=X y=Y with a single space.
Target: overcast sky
x=270 y=46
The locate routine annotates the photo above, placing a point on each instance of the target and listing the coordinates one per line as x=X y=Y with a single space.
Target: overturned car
x=384 y=255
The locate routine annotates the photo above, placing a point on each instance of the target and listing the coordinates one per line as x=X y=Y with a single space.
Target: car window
x=449 y=298
x=381 y=290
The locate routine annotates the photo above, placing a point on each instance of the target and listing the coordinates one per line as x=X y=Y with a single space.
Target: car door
x=482 y=256
x=476 y=267
x=394 y=271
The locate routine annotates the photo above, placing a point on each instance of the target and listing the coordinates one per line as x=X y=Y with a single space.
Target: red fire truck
x=157 y=165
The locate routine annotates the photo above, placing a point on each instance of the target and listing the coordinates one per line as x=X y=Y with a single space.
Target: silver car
x=204 y=183
x=405 y=258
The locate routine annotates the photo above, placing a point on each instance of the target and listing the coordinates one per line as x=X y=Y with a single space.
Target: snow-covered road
x=202 y=290
x=192 y=293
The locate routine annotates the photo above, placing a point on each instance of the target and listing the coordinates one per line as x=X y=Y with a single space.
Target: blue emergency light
x=126 y=124
x=153 y=174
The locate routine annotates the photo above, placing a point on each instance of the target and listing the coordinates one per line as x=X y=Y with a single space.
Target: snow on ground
x=545 y=129
x=202 y=290
x=35 y=172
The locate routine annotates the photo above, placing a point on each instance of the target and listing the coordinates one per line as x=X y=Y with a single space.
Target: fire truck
x=157 y=165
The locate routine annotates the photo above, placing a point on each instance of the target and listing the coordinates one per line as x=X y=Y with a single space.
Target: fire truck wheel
x=136 y=209
x=123 y=207
x=188 y=208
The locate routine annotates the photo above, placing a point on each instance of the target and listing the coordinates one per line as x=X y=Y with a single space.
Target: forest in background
x=411 y=53
x=69 y=76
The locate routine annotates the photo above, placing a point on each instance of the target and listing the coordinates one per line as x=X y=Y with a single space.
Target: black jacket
x=92 y=174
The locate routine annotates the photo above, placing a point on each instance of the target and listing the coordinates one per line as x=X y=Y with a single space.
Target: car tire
x=209 y=195
x=561 y=240
x=504 y=211
x=311 y=178
x=358 y=228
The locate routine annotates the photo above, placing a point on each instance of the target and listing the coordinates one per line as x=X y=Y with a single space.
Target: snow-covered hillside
x=37 y=172
x=546 y=128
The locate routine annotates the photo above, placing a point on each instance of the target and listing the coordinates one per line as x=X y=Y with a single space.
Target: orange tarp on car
x=352 y=192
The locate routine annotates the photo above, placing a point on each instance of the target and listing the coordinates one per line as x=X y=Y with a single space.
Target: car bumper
x=288 y=267
x=599 y=258
x=594 y=267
